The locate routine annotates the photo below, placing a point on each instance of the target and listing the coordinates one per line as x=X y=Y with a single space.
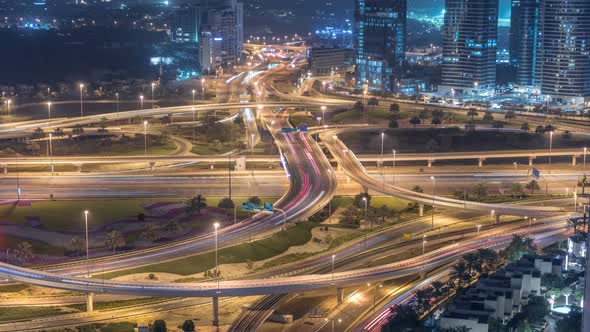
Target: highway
x=353 y=168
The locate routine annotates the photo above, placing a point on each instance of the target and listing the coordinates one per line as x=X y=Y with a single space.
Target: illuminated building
x=380 y=43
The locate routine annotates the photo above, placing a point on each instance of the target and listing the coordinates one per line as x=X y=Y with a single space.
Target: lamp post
x=317 y=134
x=382 y=166
x=141 y=101
x=584 y=163
x=8 y=102
x=433 y=205
x=550 y=149
x=193 y=96
x=145 y=123
x=252 y=152
x=423 y=244
x=48 y=113
x=203 y=88
x=117 y=97
x=478 y=227
x=324 y=115
x=87 y=252
x=216 y=227
x=153 y=93
x=365 y=201
x=394 y=152
x=515 y=166
x=492 y=217
x=81 y=100
x=50 y=154
x=333 y=258
x=193 y=124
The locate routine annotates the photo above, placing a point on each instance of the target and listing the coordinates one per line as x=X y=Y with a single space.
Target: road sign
x=303 y=128
x=407 y=236
x=268 y=207
x=289 y=130
x=251 y=207
x=536 y=173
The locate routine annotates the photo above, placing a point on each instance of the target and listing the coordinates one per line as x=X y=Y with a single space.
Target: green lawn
x=376 y=201
x=13 y=288
x=257 y=250
x=69 y=215
x=22 y=313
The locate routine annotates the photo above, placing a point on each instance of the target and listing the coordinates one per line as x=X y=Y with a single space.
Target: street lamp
x=193 y=96
x=141 y=101
x=117 y=97
x=433 y=205
x=382 y=166
x=394 y=152
x=81 y=100
x=145 y=123
x=423 y=244
x=478 y=227
x=550 y=149
x=324 y=114
x=216 y=227
x=8 y=102
x=492 y=217
x=153 y=91
x=333 y=258
x=584 y=164
x=252 y=151
x=515 y=165
x=203 y=88
x=87 y=255
x=48 y=113
x=50 y=154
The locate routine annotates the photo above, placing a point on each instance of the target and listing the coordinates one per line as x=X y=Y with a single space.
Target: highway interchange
x=312 y=183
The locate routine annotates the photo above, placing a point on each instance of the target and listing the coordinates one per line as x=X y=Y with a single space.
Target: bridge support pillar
x=480 y=162
x=338 y=167
x=211 y=166
x=497 y=218
x=347 y=179
x=422 y=275
x=430 y=163
x=5 y=168
x=531 y=161
x=78 y=168
x=152 y=165
x=421 y=210
x=573 y=160
x=340 y=294
x=89 y=302
x=215 y=321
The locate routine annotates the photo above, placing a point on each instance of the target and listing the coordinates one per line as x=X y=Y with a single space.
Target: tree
x=403 y=318
x=226 y=203
x=488 y=116
x=532 y=186
x=539 y=130
x=255 y=200
x=23 y=251
x=423 y=297
x=114 y=240
x=76 y=245
x=583 y=183
x=472 y=262
x=525 y=126
x=172 y=226
x=196 y=204
x=472 y=112
x=393 y=122
x=418 y=189
x=150 y=233
x=437 y=287
x=518 y=247
x=188 y=326
x=349 y=216
x=516 y=190
x=572 y=322
x=510 y=115
x=459 y=272
x=498 y=125
x=359 y=200
x=436 y=121
x=480 y=190
x=488 y=259
x=159 y=326
x=415 y=120
x=394 y=108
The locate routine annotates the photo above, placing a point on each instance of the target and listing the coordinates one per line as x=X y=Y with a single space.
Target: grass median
x=241 y=253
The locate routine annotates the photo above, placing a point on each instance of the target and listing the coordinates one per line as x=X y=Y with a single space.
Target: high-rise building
x=470 y=39
x=563 y=49
x=215 y=28
x=380 y=43
x=524 y=24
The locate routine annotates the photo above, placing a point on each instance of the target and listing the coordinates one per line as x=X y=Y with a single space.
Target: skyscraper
x=563 y=50
x=469 y=46
x=524 y=24
x=380 y=43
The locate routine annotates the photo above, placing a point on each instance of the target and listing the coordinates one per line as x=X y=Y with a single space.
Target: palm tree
x=415 y=120
x=437 y=287
x=150 y=233
x=459 y=272
x=532 y=186
x=584 y=182
x=196 y=204
x=423 y=297
x=525 y=126
x=114 y=240
x=488 y=259
x=472 y=262
x=76 y=245
x=472 y=113
x=23 y=251
x=510 y=115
